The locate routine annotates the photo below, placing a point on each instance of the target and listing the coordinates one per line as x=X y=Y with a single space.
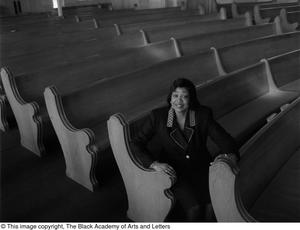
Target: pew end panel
x=223 y=193
x=80 y=152
x=149 y=197
x=257 y=16
x=27 y=115
x=286 y=26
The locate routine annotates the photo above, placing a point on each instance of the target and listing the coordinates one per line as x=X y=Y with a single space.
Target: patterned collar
x=171 y=115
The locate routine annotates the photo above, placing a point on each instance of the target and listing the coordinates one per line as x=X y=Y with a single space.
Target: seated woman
x=182 y=129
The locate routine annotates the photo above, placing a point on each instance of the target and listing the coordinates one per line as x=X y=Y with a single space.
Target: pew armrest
x=148 y=191
x=27 y=115
x=78 y=145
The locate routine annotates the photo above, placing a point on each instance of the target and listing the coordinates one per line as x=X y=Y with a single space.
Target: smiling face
x=180 y=99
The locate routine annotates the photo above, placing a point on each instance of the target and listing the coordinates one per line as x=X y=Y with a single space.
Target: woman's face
x=180 y=99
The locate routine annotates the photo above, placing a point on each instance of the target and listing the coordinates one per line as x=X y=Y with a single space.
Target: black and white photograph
x=149 y=114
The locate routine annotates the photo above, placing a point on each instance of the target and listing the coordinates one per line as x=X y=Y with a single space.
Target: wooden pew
x=219 y=39
x=285 y=69
x=241 y=8
x=241 y=102
x=254 y=50
x=265 y=187
x=235 y=9
x=84 y=135
x=136 y=16
x=39 y=34
x=27 y=88
x=269 y=14
x=179 y=31
x=127 y=28
x=289 y=21
x=187 y=46
x=95 y=40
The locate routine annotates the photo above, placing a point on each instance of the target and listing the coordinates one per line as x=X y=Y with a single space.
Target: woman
x=182 y=129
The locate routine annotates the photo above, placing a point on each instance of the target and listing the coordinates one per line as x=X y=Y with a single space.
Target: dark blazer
x=186 y=151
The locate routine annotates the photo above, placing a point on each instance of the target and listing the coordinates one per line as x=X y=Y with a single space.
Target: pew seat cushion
x=292 y=86
x=248 y=118
x=280 y=201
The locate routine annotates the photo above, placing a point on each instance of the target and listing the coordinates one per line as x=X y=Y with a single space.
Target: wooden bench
x=95 y=39
x=285 y=69
x=110 y=19
x=246 y=98
x=254 y=50
x=265 y=188
x=127 y=28
x=289 y=21
x=241 y=103
x=269 y=14
x=201 y=42
x=240 y=8
x=180 y=31
x=28 y=87
x=187 y=46
x=83 y=134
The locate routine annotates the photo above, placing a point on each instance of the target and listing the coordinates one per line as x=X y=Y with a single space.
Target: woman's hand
x=163 y=167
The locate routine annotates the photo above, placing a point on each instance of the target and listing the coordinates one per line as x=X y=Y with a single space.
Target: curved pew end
x=3 y=114
x=26 y=114
x=118 y=29
x=224 y=198
x=285 y=25
x=257 y=17
x=218 y=61
x=145 y=37
x=223 y=13
x=79 y=150
x=149 y=197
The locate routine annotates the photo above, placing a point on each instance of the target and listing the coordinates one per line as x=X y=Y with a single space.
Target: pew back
x=253 y=51
x=149 y=84
x=285 y=70
x=198 y=43
x=179 y=31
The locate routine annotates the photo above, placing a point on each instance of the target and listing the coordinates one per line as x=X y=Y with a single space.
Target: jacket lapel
x=182 y=140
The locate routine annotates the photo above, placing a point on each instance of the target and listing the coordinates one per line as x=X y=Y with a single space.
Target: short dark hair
x=190 y=87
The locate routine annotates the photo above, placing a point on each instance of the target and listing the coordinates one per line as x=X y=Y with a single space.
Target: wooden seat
x=265 y=187
x=254 y=50
x=20 y=90
x=285 y=69
x=100 y=100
